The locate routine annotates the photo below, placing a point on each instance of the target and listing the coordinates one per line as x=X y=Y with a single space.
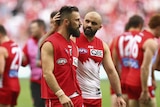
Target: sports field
x=25 y=97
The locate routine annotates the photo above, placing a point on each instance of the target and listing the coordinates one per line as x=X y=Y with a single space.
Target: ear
x=100 y=27
x=66 y=21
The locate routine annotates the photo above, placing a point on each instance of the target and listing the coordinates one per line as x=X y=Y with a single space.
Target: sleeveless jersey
x=89 y=60
x=13 y=61
x=122 y=46
x=136 y=58
x=65 y=64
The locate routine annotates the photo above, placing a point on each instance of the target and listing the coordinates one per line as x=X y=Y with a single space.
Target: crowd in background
x=16 y=15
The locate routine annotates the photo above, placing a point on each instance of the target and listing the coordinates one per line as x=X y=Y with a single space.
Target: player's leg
x=113 y=100
x=14 y=98
x=36 y=95
x=152 y=103
x=133 y=103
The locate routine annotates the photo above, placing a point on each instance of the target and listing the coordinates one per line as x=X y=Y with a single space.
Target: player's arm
x=112 y=75
x=156 y=65
x=110 y=70
x=150 y=47
x=3 y=56
x=47 y=57
x=25 y=57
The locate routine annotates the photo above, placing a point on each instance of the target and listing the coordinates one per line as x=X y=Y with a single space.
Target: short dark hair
x=134 y=21
x=154 y=21
x=40 y=23
x=53 y=14
x=3 y=30
x=66 y=11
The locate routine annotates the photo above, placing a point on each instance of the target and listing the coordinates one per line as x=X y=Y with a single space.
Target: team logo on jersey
x=83 y=50
x=75 y=61
x=61 y=61
x=95 y=52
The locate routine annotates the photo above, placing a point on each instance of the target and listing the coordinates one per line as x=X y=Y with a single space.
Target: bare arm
x=150 y=48
x=48 y=66
x=156 y=65
x=3 y=55
x=110 y=70
x=47 y=55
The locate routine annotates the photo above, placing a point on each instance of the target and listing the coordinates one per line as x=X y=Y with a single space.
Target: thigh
x=114 y=100
x=133 y=103
x=152 y=103
x=92 y=102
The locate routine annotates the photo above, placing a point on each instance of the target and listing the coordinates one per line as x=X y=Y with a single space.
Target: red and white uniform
x=89 y=61
x=133 y=80
x=10 y=86
x=65 y=65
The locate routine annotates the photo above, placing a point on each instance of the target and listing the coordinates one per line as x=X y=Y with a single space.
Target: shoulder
x=151 y=43
x=3 y=51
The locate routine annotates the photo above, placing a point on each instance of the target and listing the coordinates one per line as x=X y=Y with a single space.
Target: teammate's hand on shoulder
x=121 y=102
x=144 y=97
x=65 y=101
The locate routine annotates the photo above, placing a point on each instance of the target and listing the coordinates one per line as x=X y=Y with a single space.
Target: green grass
x=26 y=101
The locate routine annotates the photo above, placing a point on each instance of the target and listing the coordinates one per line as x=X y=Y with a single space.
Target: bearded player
x=142 y=49
x=10 y=61
x=92 y=53
x=120 y=54
x=59 y=57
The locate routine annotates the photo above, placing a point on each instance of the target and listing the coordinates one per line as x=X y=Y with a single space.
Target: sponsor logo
x=83 y=50
x=128 y=62
x=61 y=61
x=95 y=52
x=75 y=61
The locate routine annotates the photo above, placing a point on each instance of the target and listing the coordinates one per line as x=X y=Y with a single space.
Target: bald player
x=92 y=53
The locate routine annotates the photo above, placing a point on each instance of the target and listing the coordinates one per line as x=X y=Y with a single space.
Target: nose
x=89 y=24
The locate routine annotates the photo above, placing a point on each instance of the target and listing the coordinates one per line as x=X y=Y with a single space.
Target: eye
x=94 y=23
x=87 y=21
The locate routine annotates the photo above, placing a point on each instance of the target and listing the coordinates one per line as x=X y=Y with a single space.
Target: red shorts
x=8 y=97
x=92 y=102
x=77 y=101
x=135 y=92
x=123 y=87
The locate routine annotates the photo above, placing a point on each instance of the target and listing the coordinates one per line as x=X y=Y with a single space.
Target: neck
x=89 y=38
x=134 y=29
x=151 y=31
x=4 y=39
x=64 y=33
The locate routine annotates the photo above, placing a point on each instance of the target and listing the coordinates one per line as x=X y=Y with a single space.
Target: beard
x=89 y=32
x=75 y=32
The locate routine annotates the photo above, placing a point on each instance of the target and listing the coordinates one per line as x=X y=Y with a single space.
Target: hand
x=65 y=101
x=54 y=21
x=121 y=102
x=154 y=84
x=144 y=97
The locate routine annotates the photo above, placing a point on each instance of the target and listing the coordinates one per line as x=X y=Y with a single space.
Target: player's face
x=35 y=30
x=91 y=25
x=74 y=24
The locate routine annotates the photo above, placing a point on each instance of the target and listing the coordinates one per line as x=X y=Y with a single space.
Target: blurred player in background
x=53 y=27
x=92 y=53
x=120 y=53
x=142 y=49
x=30 y=50
x=59 y=57
x=10 y=61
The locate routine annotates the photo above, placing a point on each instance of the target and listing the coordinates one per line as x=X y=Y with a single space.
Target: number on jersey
x=131 y=48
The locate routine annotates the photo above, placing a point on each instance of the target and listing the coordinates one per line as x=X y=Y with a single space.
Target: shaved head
x=92 y=23
x=94 y=16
